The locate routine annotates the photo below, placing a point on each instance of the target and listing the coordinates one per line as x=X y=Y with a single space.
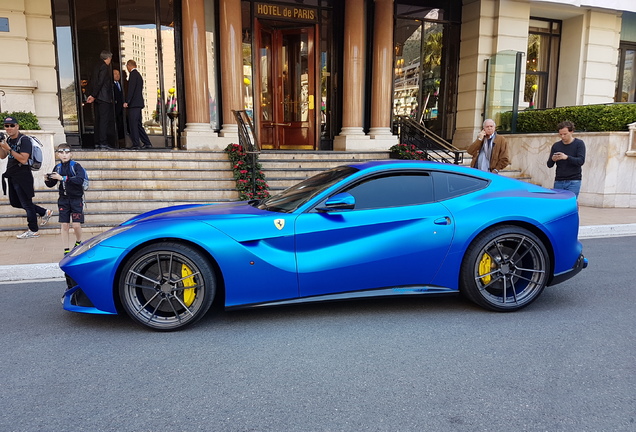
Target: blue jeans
x=569 y=185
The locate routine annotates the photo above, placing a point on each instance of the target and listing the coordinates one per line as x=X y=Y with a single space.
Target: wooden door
x=285 y=88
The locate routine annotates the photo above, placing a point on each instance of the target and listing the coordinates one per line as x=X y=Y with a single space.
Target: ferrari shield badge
x=279 y=223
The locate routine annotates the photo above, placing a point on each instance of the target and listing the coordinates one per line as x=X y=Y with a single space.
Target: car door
x=395 y=236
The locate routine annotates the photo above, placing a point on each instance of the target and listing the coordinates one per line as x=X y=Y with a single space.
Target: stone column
x=382 y=88
x=197 y=130
x=353 y=75
x=231 y=55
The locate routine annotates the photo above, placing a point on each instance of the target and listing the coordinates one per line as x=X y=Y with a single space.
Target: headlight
x=91 y=243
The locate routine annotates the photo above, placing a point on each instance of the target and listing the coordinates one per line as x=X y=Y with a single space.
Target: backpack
x=35 y=158
x=58 y=169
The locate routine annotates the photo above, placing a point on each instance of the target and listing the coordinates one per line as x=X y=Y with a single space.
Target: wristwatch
x=496 y=171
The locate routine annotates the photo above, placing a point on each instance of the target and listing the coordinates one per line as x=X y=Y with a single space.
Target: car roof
x=413 y=164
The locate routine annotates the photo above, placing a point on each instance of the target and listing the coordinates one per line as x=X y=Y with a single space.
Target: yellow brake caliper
x=188 y=293
x=485 y=267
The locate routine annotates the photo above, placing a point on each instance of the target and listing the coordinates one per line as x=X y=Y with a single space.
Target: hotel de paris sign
x=264 y=10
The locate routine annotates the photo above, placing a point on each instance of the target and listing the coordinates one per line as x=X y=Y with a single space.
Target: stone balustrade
x=609 y=172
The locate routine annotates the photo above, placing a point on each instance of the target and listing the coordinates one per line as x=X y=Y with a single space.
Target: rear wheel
x=505 y=269
x=167 y=286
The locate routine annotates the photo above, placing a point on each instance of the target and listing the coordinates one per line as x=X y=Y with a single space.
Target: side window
x=450 y=185
x=393 y=191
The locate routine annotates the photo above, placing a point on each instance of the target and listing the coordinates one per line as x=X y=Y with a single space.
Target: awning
x=619 y=5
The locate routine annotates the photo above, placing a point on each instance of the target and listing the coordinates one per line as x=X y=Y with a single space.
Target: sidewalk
x=37 y=258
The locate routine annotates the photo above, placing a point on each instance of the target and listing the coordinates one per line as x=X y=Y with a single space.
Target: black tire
x=504 y=269
x=167 y=286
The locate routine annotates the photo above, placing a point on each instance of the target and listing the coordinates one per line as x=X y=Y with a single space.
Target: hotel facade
x=315 y=74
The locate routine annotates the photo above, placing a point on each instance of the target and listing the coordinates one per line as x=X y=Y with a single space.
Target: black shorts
x=71 y=210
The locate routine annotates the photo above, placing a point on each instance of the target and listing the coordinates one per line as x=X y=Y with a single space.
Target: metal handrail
x=248 y=140
x=433 y=147
x=247 y=136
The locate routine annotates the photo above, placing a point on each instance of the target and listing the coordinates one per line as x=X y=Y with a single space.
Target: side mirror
x=341 y=201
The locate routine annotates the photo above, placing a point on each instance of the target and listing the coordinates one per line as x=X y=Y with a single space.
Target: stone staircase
x=125 y=183
x=285 y=168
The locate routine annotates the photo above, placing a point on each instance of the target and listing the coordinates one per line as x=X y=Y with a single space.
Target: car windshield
x=290 y=199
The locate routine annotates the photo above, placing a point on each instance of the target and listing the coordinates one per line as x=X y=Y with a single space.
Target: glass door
x=285 y=87
x=142 y=30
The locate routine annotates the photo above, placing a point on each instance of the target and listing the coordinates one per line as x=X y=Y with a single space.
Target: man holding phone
x=489 y=151
x=569 y=156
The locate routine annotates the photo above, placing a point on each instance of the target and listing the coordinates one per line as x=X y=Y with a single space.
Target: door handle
x=311 y=101
x=281 y=124
x=443 y=221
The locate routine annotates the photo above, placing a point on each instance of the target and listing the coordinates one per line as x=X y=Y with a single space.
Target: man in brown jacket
x=489 y=151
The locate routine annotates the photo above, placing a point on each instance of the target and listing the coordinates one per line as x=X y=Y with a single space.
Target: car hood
x=238 y=220
x=197 y=211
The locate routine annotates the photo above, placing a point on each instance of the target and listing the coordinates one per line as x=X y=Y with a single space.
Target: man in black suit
x=135 y=103
x=119 y=107
x=101 y=92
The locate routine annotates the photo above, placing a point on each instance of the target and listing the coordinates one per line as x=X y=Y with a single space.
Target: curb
x=35 y=272
x=30 y=272
x=598 y=231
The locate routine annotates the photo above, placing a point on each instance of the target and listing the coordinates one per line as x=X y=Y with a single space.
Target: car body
x=378 y=228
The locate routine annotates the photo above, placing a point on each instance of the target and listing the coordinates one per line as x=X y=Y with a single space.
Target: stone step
x=268 y=155
x=120 y=173
x=169 y=196
x=291 y=173
x=155 y=164
x=164 y=154
x=106 y=206
x=151 y=184
x=304 y=164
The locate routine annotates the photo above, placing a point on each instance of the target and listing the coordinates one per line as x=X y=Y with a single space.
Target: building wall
x=587 y=63
x=570 y=65
x=27 y=75
x=488 y=27
x=599 y=57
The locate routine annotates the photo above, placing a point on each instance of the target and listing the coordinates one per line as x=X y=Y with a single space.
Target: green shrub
x=27 y=120
x=586 y=118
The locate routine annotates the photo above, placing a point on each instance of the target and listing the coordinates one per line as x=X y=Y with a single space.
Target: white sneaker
x=46 y=217
x=28 y=234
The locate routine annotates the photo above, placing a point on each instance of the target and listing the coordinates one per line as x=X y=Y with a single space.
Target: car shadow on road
x=378 y=308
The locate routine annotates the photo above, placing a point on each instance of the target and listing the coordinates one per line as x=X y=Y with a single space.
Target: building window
x=544 y=38
x=426 y=41
x=626 y=80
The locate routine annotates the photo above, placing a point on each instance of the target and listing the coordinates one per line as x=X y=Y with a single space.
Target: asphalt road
x=566 y=363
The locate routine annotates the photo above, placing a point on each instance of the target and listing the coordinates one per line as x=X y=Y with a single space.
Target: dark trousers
x=19 y=199
x=119 y=124
x=104 y=123
x=137 y=130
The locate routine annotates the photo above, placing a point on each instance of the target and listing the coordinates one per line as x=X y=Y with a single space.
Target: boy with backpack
x=20 y=149
x=73 y=180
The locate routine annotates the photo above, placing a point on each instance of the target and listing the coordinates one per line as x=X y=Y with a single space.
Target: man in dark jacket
x=101 y=92
x=18 y=148
x=135 y=103
x=119 y=107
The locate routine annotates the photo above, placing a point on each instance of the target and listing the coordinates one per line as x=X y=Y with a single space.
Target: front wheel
x=167 y=286
x=504 y=269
